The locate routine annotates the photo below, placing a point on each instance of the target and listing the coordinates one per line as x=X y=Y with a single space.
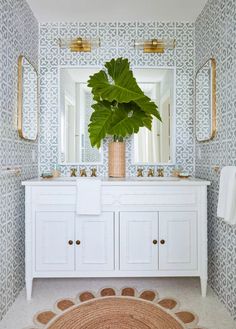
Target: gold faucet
x=83 y=173
x=150 y=172
x=160 y=172
x=140 y=172
x=93 y=172
x=73 y=172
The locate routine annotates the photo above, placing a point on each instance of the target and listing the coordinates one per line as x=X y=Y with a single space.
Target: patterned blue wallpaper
x=216 y=36
x=18 y=35
x=116 y=41
x=29 y=101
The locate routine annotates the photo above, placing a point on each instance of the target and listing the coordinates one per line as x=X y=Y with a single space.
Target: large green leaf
x=123 y=88
x=121 y=106
x=98 y=82
x=100 y=122
x=126 y=122
x=122 y=125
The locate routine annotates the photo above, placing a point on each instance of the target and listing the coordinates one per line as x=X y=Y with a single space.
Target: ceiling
x=119 y=10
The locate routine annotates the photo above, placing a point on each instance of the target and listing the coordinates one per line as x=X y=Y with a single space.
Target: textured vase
x=116 y=155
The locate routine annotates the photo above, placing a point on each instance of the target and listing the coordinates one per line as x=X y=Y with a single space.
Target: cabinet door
x=95 y=242
x=54 y=232
x=138 y=248
x=178 y=241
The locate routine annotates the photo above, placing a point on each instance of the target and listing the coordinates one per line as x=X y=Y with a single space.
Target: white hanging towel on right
x=227 y=195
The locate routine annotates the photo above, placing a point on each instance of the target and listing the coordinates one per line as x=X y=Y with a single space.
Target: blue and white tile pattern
x=216 y=37
x=18 y=36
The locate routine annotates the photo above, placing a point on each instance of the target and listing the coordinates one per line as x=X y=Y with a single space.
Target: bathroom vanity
x=149 y=227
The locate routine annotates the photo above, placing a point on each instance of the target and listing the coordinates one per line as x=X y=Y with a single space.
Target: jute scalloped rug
x=113 y=309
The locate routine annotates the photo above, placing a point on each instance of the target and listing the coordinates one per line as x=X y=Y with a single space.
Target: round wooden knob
x=154 y=241
x=70 y=242
x=78 y=242
x=162 y=242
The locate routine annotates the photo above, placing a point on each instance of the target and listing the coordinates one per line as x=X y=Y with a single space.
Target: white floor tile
x=211 y=312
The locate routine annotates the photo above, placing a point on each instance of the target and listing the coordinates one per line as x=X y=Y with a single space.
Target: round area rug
x=112 y=309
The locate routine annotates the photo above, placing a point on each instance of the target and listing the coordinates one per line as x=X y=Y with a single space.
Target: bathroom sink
x=67 y=178
x=71 y=179
x=154 y=178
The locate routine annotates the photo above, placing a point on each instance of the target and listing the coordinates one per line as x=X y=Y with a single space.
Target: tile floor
x=211 y=312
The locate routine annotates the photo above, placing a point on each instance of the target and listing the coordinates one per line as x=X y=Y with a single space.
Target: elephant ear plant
x=121 y=108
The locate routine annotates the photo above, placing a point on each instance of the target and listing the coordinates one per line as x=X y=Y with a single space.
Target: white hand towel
x=88 y=201
x=227 y=195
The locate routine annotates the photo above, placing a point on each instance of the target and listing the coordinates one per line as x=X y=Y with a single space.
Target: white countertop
x=65 y=181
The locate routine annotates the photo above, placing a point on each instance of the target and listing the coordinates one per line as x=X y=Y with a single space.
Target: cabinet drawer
x=161 y=196
x=61 y=195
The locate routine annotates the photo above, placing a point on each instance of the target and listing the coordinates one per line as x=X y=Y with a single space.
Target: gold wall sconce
x=155 y=45
x=79 y=44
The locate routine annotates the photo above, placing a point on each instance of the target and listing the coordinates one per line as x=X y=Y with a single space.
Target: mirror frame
x=19 y=99
x=213 y=100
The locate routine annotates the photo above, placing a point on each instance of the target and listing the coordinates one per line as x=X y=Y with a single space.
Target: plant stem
x=118 y=138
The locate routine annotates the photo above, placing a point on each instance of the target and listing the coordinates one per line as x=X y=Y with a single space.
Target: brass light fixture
x=155 y=45
x=79 y=44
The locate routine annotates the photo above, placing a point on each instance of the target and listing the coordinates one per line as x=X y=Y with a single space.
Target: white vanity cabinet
x=148 y=228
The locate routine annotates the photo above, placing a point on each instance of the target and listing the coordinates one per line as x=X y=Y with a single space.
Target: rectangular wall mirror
x=149 y=147
x=158 y=145
x=75 y=111
x=27 y=100
x=205 y=103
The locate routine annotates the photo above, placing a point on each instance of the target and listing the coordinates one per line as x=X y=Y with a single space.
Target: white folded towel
x=227 y=195
x=88 y=200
